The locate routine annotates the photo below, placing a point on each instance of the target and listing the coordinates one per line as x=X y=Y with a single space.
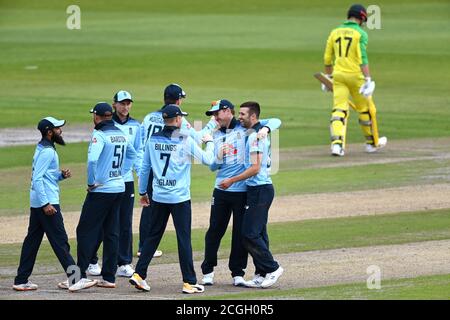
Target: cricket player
x=260 y=194
x=45 y=211
x=346 y=63
x=153 y=123
x=168 y=154
x=108 y=151
x=229 y=151
x=122 y=104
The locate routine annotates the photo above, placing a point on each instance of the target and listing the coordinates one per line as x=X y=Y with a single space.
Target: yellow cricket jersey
x=347 y=45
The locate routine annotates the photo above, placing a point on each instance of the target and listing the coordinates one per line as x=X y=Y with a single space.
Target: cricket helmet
x=357 y=11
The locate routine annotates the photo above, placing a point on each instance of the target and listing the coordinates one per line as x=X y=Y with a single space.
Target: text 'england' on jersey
x=108 y=148
x=170 y=159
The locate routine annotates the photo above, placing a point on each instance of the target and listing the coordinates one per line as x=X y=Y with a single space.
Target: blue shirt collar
x=104 y=123
x=47 y=143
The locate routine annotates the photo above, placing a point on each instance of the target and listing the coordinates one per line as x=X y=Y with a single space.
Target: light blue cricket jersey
x=168 y=154
x=259 y=146
x=108 y=149
x=45 y=176
x=132 y=129
x=154 y=122
x=235 y=163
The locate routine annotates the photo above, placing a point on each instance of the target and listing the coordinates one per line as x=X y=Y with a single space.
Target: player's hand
x=66 y=173
x=144 y=200
x=324 y=87
x=367 y=88
x=262 y=133
x=225 y=184
x=225 y=149
x=207 y=137
x=49 y=210
x=213 y=119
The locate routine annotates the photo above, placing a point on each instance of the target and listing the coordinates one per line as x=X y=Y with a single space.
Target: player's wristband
x=143 y=194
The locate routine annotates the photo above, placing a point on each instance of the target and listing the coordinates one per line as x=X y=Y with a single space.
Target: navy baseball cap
x=102 y=109
x=219 y=105
x=50 y=123
x=171 y=111
x=174 y=91
x=122 y=95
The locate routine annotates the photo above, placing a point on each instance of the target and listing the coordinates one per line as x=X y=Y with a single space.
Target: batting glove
x=367 y=88
x=324 y=87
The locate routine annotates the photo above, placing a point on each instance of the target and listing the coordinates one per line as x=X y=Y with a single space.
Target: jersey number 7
x=162 y=156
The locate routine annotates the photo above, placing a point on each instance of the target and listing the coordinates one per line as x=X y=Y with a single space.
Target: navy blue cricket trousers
x=181 y=216
x=100 y=215
x=223 y=204
x=53 y=227
x=254 y=228
x=125 y=228
x=144 y=222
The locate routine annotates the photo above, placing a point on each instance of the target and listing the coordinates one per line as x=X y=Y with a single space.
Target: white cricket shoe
x=83 y=283
x=94 y=270
x=125 y=271
x=238 y=281
x=336 y=150
x=193 y=288
x=271 y=278
x=382 y=141
x=208 y=279
x=106 y=284
x=157 y=254
x=255 y=282
x=29 y=286
x=139 y=283
x=64 y=285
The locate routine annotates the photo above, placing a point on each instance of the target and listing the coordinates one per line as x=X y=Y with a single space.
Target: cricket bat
x=329 y=84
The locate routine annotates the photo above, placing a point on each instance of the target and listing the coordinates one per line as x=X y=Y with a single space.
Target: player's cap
x=171 y=111
x=219 y=105
x=358 y=11
x=174 y=91
x=102 y=109
x=122 y=95
x=50 y=123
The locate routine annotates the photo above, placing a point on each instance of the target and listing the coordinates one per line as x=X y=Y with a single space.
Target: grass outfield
x=294 y=179
x=428 y=288
x=259 y=50
x=236 y=49
x=300 y=236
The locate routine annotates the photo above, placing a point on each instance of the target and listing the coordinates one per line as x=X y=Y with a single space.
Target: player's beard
x=245 y=123
x=57 y=138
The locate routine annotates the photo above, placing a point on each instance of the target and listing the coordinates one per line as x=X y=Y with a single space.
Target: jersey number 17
x=339 y=42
